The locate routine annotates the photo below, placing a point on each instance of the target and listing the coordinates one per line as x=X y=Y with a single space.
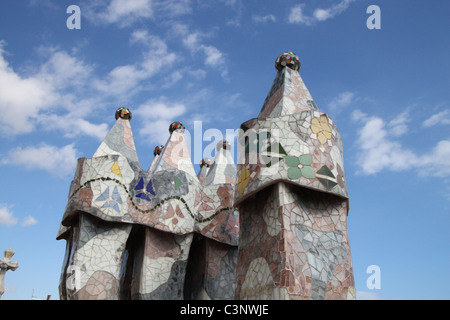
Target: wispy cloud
x=238 y=10
x=341 y=101
x=439 y=118
x=264 y=18
x=399 y=125
x=298 y=16
x=126 y=80
x=173 y=8
x=328 y=13
x=194 y=41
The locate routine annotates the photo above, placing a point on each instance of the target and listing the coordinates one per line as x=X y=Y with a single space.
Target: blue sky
x=213 y=61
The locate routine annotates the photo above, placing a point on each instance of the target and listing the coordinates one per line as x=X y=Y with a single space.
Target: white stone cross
x=5 y=265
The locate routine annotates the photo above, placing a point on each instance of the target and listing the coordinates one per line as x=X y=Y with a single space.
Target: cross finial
x=8 y=253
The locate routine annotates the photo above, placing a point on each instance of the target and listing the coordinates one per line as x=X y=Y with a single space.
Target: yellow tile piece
x=115 y=169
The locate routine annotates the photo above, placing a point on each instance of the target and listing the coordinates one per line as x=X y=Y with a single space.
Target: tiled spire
x=119 y=140
x=223 y=169
x=289 y=93
x=175 y=154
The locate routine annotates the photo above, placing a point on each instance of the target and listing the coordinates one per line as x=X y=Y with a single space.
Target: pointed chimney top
x=289 y=94
x=119 y=139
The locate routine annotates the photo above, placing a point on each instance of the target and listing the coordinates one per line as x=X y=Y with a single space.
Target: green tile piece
x=305 y=159
x=276 y=147
x=177 y=183
x=326 y=171
x=308 y=172
x=294 y=173
x=269 y=161
x=291 y=161
x=328 y=184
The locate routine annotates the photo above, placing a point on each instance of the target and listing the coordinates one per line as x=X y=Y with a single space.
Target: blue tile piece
x=104 y=195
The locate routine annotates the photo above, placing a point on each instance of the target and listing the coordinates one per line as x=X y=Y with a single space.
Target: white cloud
x=172 y=8
x=19 y=110
x=297 y=13
x=139 y=36
x=214 y=56
x=442 y=117
x=8 y=219
x=194 y=42
x=47 y=102
x=398 y=125
x=6 y=216
x=28 y=221
x=157 y=57
x=157 y=117
x=52 y=100
x=127 y=79
x=120 y=80
x=342 y=101
x=437 y=162
x=172 y=78
x=72 y=125
x=63 y=70
x=357 y=115
x=123 y=12
x=379 y=150
x=322 y=14
x=58 y=161
x=325 y=14
x=160 y=109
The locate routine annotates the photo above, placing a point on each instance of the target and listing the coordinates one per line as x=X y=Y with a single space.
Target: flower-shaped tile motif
x=144 y=193
x=321 y=128
x=114 y=203
x=300 y=166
